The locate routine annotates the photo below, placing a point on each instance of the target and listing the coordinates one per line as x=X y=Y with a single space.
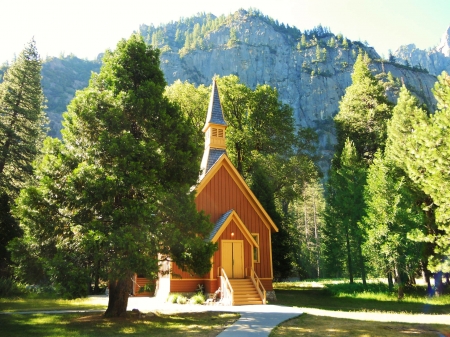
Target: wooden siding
x=177 y=273
x=222 y=194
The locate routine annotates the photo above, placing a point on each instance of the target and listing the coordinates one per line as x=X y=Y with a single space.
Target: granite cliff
x=435 y=60
x=310 y=69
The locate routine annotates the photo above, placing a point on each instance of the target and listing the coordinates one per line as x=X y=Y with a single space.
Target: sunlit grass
x=30 y=304
x=319 y=326
x=341 y=295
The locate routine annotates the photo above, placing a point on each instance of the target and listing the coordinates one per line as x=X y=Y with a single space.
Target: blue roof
x=215 y=114
x=219 y=224
x=213 y=157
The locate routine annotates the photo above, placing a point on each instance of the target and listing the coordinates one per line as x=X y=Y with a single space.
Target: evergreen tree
x=363 y=111
x=22 y=130
x=407 y=117
x=391 y=215
x=22 y=119
x=344 y=211
x=118 y=184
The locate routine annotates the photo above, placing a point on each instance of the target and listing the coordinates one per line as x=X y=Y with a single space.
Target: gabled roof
x=215 y=114
x=224 y=221
x=225 y=162
x=211 y=156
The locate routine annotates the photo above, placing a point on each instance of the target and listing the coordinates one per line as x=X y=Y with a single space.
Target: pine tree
x=392 y=214
x=344 y=211
x=22 y=130
x=363 y=111
x=22 y=119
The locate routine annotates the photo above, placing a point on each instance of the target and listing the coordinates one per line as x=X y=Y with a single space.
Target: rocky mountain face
x=435 y=60
x=311 y=78
x=311 y=70
x=61 y=78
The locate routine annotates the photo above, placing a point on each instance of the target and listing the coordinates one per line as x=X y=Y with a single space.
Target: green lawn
x=189 y=324
x=31 y=304
x=320 y=326
x=347 y=298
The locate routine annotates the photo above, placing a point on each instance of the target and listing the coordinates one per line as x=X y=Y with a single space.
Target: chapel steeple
x=215 y=125
x=215 y=131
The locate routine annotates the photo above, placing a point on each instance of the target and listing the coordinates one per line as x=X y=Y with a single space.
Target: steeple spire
x=214 y=129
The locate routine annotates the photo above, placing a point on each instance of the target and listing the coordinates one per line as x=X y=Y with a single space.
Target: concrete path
x=258 y=320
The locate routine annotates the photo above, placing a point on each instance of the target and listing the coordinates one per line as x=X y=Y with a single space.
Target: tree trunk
x=438 y=285
x=390 y=281
x=119 y=290
x=362 y=265
x=349 y=257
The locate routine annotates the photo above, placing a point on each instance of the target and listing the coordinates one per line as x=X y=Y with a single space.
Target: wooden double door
x=233 y=258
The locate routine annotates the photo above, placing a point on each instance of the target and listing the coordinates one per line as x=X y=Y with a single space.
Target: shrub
x=198 y=298
x=173 y=298
x=9 y=288
x=182 y=300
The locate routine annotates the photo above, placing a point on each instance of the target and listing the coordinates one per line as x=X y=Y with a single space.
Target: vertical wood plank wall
x=222 y=194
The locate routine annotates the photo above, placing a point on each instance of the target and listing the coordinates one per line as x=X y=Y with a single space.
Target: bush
x=182 y=300
x=9 y=288
x=173 y=298
x=198 y=298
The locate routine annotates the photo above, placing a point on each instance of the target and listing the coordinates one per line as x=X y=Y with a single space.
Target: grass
x=31 y=304
x=319 y=326
x=341 y=296
x=72 y=325
x=346 y=297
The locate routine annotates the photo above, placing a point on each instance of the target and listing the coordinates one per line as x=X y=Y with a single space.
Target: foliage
x=198 y=298
x=423 y=158
x=22 y=120
x=173 y=298
x=308 y=214
x=10 y=288
x=343 y=236
x=193 y=102
x=391 y=215
x=114 y=193
x=363 y=111
x=22 y=128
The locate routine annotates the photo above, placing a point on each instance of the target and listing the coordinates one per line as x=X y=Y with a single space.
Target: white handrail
x=258 y=285
x=227 y=289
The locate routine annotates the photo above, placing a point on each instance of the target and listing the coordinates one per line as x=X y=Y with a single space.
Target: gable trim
x=225 y=162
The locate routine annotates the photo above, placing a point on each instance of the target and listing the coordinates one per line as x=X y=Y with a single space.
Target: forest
x=97 y=205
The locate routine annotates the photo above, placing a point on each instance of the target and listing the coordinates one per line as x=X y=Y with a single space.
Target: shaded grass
x=183 y=324
x=30 y=304
x=354 y=298
x=319 y=326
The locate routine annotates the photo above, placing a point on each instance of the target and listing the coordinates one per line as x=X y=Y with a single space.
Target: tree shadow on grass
x=183 y=324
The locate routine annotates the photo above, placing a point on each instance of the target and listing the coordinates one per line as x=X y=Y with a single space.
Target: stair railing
x=227 y=290
x=258 y=285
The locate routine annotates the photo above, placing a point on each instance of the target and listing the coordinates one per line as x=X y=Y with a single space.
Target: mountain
x=310 y=69
x=435 y=60
x=61 y=78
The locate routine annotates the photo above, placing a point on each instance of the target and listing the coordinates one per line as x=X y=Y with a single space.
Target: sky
x=86 y=28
